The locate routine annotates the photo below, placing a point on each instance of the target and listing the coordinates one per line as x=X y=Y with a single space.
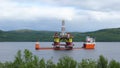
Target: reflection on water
x=109 y=49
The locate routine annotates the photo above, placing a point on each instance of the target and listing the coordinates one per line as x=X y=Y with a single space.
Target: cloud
x=95 y=5
x=16 y=10
x=94 y=14
x=104 y=5
x=32 y=10
x=101 y=16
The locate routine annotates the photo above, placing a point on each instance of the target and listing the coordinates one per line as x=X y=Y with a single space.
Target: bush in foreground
x=28 y=60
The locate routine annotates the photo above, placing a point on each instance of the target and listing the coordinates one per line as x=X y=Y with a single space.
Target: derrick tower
x=63 y=28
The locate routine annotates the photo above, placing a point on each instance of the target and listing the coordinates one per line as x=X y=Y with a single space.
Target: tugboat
x=89 y=43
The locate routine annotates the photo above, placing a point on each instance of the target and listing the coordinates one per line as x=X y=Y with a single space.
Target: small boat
x=89 y=43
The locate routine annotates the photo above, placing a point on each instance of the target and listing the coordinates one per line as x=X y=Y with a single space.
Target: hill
x=105 y=35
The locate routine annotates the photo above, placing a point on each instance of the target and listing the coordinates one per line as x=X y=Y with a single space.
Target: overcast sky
x=79 y=15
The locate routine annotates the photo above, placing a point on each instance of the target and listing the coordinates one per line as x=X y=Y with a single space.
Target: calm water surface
x=110 y=50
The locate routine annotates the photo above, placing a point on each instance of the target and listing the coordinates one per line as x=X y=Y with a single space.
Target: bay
x=110 y=50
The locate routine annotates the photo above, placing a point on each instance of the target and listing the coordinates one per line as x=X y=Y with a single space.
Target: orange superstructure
x=90 y=43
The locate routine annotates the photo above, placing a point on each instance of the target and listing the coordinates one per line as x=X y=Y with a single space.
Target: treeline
x=105 y=35
x=28 y=60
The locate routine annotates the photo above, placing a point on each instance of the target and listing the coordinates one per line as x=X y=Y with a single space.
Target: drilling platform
x=64 y=41
x=63 y=37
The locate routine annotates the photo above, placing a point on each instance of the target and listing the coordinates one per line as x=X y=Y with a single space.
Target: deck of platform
x=61 y=48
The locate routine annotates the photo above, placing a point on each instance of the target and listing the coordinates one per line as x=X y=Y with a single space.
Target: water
x=111 y=50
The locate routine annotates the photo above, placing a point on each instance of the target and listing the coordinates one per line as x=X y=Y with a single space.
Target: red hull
x=62 y=48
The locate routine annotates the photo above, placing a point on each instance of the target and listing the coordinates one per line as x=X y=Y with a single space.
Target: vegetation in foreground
x=28 y=60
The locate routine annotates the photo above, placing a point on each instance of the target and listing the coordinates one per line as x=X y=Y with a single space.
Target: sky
x=79 y=15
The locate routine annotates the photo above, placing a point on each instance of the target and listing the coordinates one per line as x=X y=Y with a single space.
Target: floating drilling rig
x=63 y=37
x=64 y=41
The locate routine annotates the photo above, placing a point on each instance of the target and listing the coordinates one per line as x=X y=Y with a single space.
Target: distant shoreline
x=105 y=35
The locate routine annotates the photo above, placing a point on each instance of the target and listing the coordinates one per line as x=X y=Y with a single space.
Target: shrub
x=114 y=64
x=66 y=62
x=87 y=63
x=102 y=62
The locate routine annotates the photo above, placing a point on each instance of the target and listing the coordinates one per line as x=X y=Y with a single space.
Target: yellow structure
x=56 y=39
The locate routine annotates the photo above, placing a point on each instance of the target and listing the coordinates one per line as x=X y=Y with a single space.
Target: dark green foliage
x=1 y=65
x=66 y=62
x=102 y=62
x=42 y=63
x=18 y=62
x=26 y=35
x=87 y=63
x=28 y=60
x=104 y=35
x=50 y=64
x=114 y=64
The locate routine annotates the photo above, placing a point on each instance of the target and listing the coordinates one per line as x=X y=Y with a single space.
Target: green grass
x=28 y=60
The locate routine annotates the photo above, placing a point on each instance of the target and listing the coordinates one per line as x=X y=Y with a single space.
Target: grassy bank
x=28 y=60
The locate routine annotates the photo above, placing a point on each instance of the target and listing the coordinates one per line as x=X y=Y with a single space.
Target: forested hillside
x=105 y=35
